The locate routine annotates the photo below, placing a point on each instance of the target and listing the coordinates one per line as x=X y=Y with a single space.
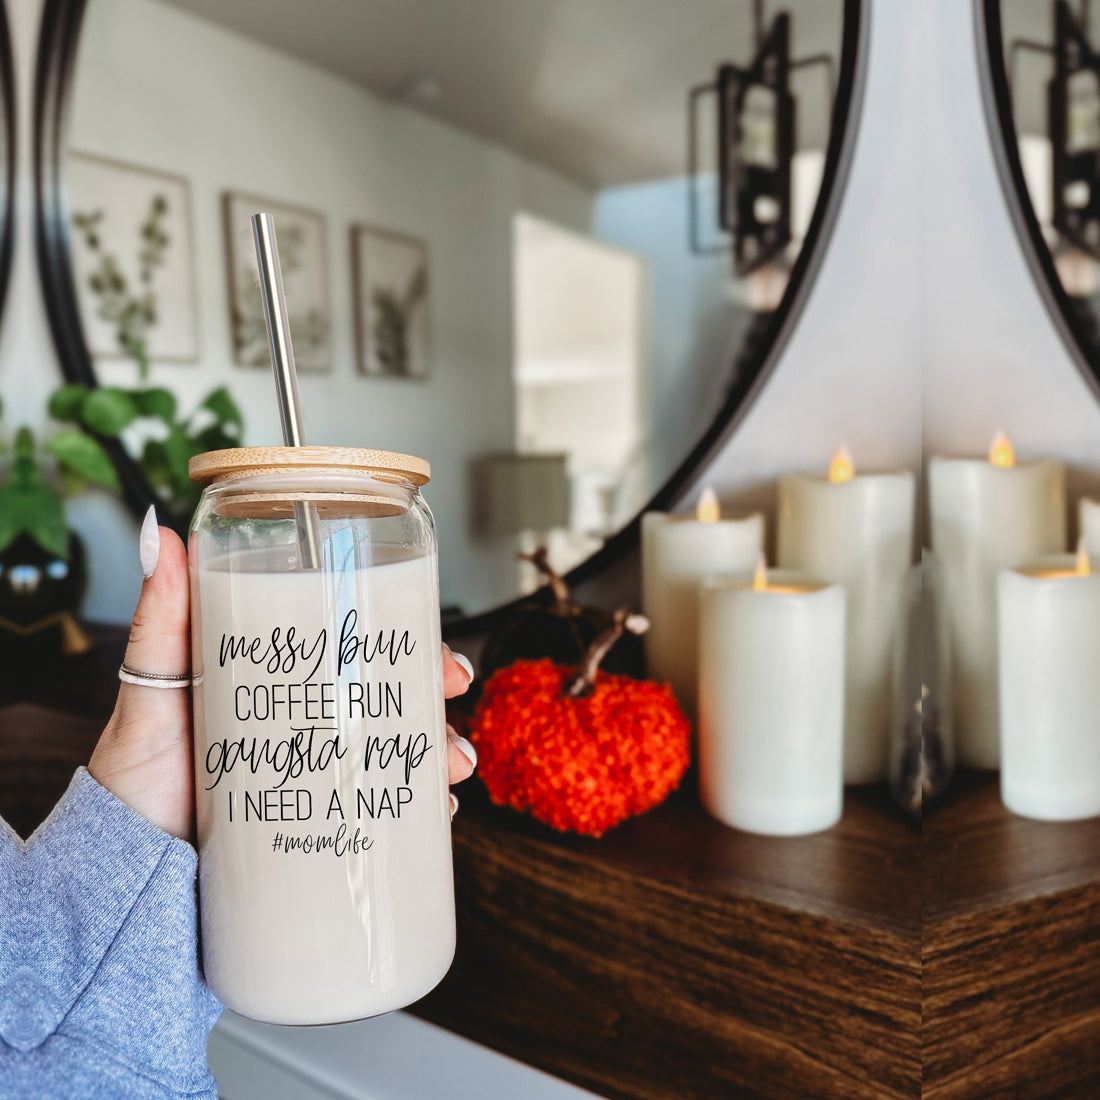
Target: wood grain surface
x=51 y=715
x=1010 y=952
x=678 y=958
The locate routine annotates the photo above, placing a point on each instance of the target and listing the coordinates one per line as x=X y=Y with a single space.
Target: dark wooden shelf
x=671 y=958
x=677 y=958
x=51 y=715
x=1010 y=951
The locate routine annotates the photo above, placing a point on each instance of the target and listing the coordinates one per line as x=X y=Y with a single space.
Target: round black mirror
x=560 y=281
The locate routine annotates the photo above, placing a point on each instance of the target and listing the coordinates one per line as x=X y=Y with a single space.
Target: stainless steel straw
x=286 y=377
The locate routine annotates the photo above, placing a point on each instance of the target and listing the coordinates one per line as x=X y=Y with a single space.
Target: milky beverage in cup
x=325 y=876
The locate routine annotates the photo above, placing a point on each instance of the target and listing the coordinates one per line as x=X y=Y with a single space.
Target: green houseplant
x=172 y=440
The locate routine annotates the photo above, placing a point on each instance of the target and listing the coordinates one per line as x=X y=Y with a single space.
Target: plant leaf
x=72 y=484
x=84 y=456
x=222 y=405
x=37 y=511
x=179 y=449
x=215 y=438
x=67 y=401
x=157 y=402
x=108 y=410
x=24 y=446
x=154 y=463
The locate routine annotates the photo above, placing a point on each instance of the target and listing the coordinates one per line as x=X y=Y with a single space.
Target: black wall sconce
x=1073 y=124
x=755 y=142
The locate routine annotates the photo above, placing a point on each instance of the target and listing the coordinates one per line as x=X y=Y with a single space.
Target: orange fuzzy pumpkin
x=580 y=750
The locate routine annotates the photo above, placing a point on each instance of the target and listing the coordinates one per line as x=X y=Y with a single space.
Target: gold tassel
x=73 y=638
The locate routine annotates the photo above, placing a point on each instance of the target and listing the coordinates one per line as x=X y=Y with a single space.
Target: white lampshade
x=522 y=492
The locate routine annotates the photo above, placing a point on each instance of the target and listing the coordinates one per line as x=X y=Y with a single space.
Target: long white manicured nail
x=465 y=663
x=454 y=806
x=149 y=542
x=467 y=750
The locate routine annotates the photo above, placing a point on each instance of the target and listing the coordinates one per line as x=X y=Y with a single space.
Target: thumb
x=144 y=755
x=160 y=639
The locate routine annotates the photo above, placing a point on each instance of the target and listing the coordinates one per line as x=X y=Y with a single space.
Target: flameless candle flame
x=1083 y=568
x=1001 y=452
x=842 y=468
x=760 y=576
x=707 y=510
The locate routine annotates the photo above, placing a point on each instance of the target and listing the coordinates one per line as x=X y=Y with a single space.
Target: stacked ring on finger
x=153 y=679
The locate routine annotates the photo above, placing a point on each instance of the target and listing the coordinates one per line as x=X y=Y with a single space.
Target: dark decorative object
x=1073 y=124
x=579 y=749
x=40 y=593
x=53 y=86
x=1076 y=147
x=560 y=630
x=756 y=143
x=1062 y=252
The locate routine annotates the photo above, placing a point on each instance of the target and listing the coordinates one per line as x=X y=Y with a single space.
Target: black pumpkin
x=552 y=624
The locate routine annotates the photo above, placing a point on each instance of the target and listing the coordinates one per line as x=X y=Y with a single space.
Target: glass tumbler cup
x=325 y=878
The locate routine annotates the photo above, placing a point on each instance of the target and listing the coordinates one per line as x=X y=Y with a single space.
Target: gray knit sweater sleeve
x=101 y=994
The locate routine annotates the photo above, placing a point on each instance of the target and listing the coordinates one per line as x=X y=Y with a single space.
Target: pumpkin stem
x=583 y=682
x=564 y=604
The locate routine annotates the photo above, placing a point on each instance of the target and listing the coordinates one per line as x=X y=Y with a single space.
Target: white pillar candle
x=771 y=703
x=987 y=516
x=677 y=552
x=1050 y=691
x=1088 y=526
x=858 y=532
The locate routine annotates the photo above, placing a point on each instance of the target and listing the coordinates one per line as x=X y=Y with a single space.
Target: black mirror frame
x=8 y=153
x=989 y=41
x=58 y=42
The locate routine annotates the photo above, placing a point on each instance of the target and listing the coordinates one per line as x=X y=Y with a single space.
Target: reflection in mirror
x=535 y=242
x=1052 y=70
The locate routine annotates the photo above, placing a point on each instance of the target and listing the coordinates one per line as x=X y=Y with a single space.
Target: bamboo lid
x=215 y=466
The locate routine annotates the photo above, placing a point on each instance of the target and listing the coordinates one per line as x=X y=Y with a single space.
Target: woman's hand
x=144 y=755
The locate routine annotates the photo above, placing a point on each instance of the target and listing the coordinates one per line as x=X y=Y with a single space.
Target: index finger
x=458 y=673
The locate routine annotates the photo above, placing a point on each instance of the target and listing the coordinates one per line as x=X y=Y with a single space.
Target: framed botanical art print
x=303 y=256
x=132 y=260
x=390 y=285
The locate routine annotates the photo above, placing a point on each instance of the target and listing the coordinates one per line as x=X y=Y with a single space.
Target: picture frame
x=131 y=233
x=302 y=235
x=391 y=295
